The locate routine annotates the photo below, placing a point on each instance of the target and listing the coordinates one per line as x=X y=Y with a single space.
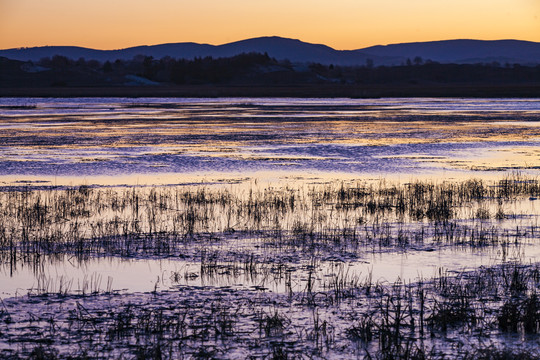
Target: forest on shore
x=265 y=76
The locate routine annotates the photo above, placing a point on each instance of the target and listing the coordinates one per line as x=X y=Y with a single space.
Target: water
x=90 y=140
x=99 y=275
x=280 y=252
x=147 y=141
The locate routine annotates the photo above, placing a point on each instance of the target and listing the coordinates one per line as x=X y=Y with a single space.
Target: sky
x=341 y=24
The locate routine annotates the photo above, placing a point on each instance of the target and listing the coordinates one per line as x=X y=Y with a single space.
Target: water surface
x=142 y=140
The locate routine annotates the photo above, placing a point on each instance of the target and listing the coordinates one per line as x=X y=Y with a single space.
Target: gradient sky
x=342 y=24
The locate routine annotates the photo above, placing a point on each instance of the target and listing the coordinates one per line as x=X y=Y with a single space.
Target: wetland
x=248 y=228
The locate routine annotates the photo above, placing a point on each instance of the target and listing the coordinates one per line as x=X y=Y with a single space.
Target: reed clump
x=271 y=275
x=134 y=222
x=414 y=320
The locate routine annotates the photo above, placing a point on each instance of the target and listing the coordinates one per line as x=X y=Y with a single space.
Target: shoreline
x=528 y=90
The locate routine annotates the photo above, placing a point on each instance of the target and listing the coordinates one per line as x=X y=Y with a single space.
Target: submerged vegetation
x=275 y=271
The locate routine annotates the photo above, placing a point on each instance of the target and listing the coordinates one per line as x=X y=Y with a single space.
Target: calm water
x=101 y=141
x=150 y=141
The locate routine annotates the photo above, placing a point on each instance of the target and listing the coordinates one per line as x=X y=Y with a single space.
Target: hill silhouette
x=448 y=51
x=464 y=51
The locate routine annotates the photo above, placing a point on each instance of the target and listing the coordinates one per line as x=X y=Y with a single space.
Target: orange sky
x=342 y=24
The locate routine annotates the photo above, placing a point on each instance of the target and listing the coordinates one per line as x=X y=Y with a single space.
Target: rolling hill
x=447 y=51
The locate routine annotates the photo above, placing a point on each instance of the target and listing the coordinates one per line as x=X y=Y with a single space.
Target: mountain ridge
x=297 y=51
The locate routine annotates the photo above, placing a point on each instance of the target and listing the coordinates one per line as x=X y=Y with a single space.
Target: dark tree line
x=429 y=71
x=209 y=70
x=260 y=68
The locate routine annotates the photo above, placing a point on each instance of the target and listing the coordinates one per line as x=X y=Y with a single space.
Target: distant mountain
x=448 y=51
x=464 y=51
x=276 y=47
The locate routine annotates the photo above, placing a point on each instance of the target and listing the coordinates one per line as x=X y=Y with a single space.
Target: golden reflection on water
x=344 y=131
x=251 y=129
x=518 y=158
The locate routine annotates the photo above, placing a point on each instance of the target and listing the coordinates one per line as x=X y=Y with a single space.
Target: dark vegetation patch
x=449 y=316
x=323 y=220
x=281 y=236
x=226 y=76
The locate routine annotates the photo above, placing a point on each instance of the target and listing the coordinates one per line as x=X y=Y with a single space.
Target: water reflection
x=113 y=274
x=82 y=138
x=257 y=143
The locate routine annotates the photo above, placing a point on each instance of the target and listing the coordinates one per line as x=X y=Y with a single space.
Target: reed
x=292 y=246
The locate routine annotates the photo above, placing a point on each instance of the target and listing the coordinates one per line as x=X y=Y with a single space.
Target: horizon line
x=262 y=37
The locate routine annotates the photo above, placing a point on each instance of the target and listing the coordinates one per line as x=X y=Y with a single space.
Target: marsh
x=269 y=228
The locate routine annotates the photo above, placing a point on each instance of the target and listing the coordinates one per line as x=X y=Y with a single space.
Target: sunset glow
x=342 y=24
